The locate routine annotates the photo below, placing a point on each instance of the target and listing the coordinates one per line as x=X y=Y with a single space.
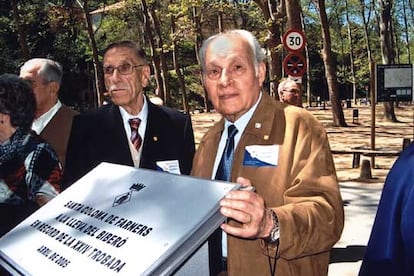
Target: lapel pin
x=257 y=125
x=155 y=138
x=266 y=137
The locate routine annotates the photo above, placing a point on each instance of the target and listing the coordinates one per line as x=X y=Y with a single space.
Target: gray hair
x=138 y=50
x=285 y=82
x=258 y=52
x=49 y=71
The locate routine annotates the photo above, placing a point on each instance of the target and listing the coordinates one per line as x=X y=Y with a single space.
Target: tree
x=273 y=18
x=387 y=51
x=154 y=52
x=351 y=52
x=174 y=37
x=99 y=79
x=20 y=30
x=198 y=38
x=294 y=18
x=330 y=69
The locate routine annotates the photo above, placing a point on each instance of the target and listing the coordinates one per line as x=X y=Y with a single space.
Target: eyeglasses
x=214 y=73
x=123 y=69
x=290 y=91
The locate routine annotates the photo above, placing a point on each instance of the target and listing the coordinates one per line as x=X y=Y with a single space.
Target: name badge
x=171 y=166
x=261 y=155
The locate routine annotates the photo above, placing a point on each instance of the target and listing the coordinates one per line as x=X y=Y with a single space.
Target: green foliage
x=59 y=32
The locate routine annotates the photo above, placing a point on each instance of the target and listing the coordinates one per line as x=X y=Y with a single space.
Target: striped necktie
x=135 y=137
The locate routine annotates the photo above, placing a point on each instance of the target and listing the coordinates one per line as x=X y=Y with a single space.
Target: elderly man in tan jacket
x=288 y=225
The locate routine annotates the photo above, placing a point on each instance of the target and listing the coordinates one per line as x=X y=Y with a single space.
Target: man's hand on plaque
x=248 y=208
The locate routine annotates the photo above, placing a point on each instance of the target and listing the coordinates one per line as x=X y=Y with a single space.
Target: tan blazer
x=302 y=189
x=57 y=131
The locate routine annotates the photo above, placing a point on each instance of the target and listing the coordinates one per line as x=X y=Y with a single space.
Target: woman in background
x=30 y=172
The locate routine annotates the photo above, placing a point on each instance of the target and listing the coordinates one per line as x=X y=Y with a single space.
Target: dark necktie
x=224 y=168
x=216 y=261
x=135 y=137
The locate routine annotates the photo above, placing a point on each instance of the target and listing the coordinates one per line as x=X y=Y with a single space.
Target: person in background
x=391 y=243
x=130 y=130
x=289 y=92
x=295 y=215
x=30 y=171
x=53 y=120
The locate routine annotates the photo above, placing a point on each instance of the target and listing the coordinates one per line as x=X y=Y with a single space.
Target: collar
x=142 y=115
x=242 y=122
x=40 y=123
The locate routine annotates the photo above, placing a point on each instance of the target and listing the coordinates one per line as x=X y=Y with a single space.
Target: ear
x=145 y=76
x=54 y=87
x=262 y=73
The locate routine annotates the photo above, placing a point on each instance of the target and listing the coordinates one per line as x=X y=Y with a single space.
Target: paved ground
x=360 y=196
x=360 y=204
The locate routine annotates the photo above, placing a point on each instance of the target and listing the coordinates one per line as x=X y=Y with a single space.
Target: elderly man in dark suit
x=53 y=120
x=130 y=130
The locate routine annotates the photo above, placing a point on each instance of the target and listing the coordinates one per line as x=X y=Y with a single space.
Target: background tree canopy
x=171 y=32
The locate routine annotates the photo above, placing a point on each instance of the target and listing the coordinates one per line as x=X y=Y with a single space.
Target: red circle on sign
x=294 y=65
x=294 y=40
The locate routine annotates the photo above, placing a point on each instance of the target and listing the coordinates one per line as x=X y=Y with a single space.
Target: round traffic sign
x=294 y=65
x=294 y=40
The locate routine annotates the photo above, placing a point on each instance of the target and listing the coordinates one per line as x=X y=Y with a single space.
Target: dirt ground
x=387 y=136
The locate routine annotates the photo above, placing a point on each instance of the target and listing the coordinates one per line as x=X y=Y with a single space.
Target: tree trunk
x=386 y=49
x=351 y=53
x=294 y=15
x=294 y=21
x=155 y=55
x=99 y=78
x=308 y=75
x=367 y=42
x=198 y=37
x=163 y=59
x=21 y=34
x=180 y=77
x=272 y=14
x=406 y=31
x=342 y=75
x=330 y=70
x=220 y=21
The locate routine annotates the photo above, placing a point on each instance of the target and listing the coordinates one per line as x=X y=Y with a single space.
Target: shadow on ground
x=351 y=253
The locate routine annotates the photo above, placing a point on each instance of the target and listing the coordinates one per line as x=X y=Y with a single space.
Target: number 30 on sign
x=294 y=40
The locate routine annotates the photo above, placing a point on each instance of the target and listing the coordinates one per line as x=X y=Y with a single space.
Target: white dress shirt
x=142 y=115
x=240 y=124
x=40 y=123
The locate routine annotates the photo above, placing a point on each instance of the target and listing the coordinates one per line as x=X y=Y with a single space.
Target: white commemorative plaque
x=117 y=220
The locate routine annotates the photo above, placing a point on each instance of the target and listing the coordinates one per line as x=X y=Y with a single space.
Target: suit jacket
x=57 y=131
x=99 y=136
x=390 y=246
x=302 y=189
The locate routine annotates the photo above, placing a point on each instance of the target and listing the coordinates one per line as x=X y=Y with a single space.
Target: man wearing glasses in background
x=289 y=92
x=164 y=138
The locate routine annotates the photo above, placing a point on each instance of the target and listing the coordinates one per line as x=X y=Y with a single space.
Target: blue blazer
x=390 y=249
x=99 y=136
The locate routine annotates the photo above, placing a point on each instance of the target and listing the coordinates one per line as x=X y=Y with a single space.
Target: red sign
x=294 y=65
x=294 y=40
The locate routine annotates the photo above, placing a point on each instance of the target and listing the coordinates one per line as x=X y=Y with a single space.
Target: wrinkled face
x=231 y=79
x=45 y=92
x=125 y=86
x=290 y=93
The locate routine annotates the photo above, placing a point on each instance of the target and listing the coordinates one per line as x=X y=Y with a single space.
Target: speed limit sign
x=294 y=40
